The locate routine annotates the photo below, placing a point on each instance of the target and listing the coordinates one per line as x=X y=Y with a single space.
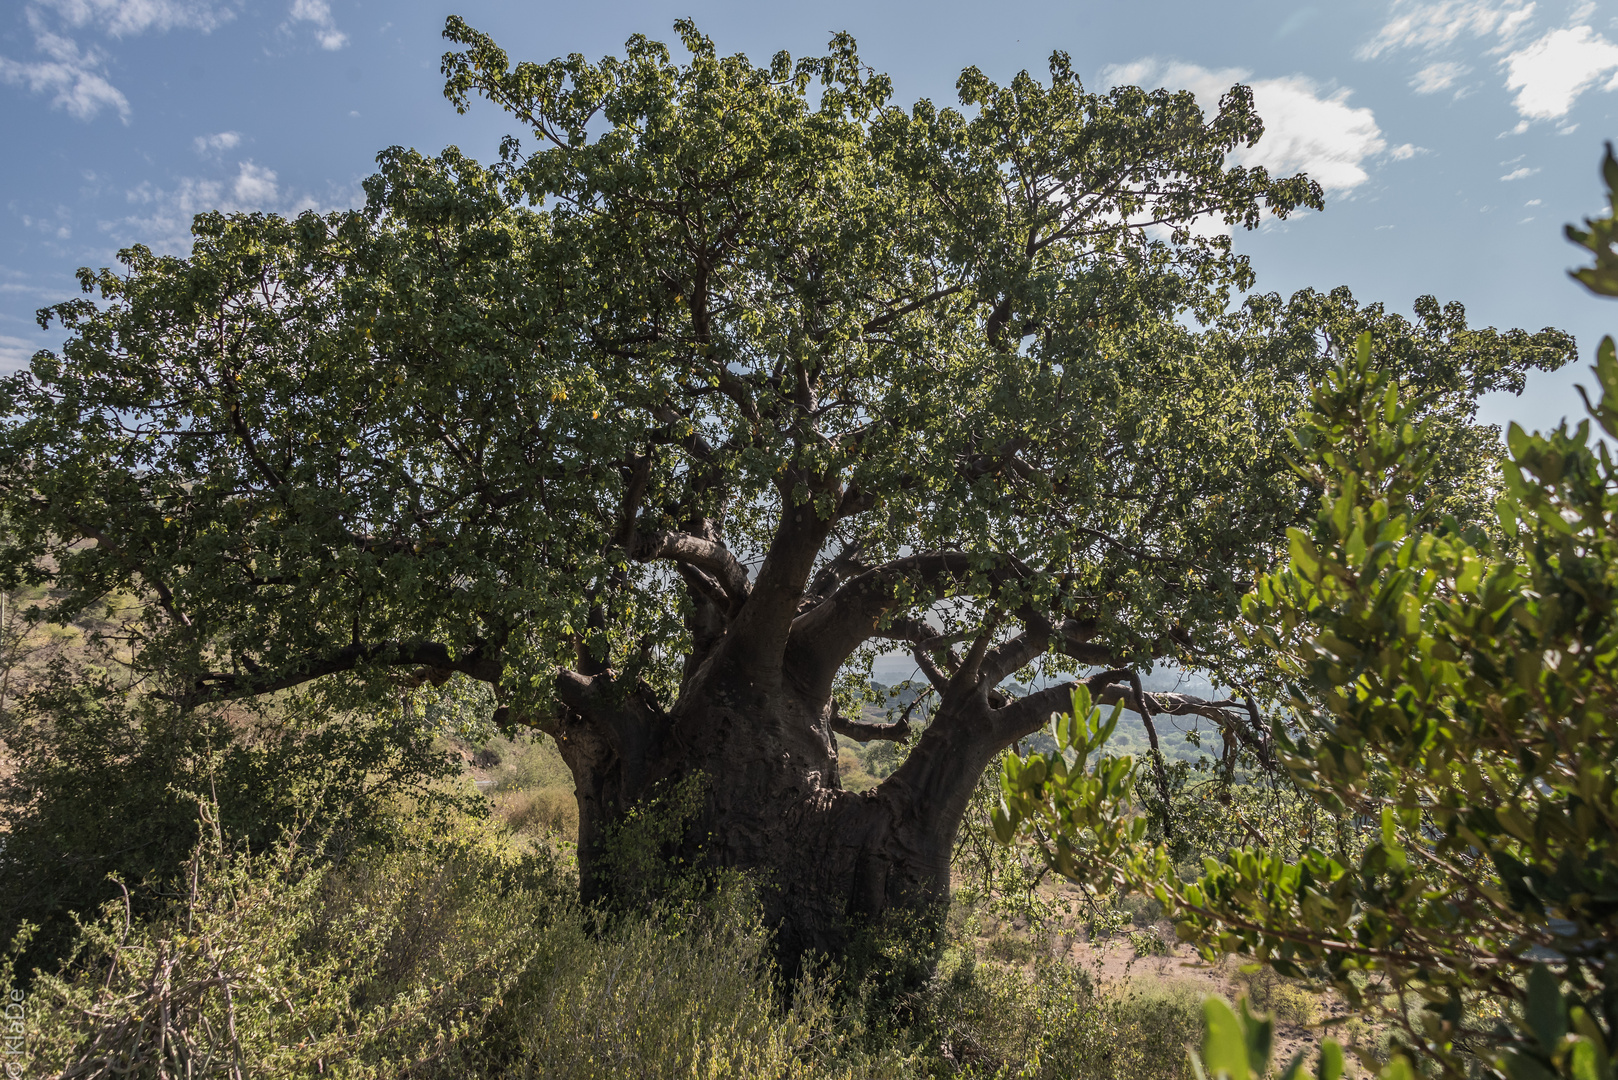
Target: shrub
x=687 y=991
x=991 y=1020
x=527 y=763
x=453 y=952
x=105 y=782
x=278 y=964
x=1286 y=999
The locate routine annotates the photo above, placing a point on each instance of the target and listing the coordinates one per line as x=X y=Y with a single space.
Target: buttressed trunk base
x=828 y=861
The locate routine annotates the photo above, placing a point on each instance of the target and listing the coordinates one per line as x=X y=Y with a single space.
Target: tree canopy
x=474 y=425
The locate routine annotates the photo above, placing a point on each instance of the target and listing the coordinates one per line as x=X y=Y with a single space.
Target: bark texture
x=829 y=860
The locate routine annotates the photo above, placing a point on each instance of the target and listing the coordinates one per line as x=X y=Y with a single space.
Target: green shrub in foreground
x=280 y=965
x=105 y=781
x=461 y=952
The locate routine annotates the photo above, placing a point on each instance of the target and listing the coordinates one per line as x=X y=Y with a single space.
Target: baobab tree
x=729 y=379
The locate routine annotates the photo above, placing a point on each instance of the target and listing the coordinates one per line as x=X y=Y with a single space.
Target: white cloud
x=55 y=225
x=318 y=12
x=254 y=187
x=121 y=18
x=1406 y=151
x=15 y=352
x=1532 y=202
x=1552 y=72
x=162 y=216
x=217 y=143
x=1547 y=73
x=76 y=79
x=1305 y=129
x=1438 y=76
x=164 y=220
x=1518 y=174
x=1431 y=26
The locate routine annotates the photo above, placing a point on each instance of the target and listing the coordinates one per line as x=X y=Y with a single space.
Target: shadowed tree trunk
x=756 y=719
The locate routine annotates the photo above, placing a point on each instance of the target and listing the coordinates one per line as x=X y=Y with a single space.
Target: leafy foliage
x=1600 y=236
x=1457 y=693
x=1453 y=689
x=675 y=415
x=461 y=953
x=1079 y=816
x=1466 y=695
x=430 y=432
x=1239 y=1046
x=275 y=963
x=101 y=796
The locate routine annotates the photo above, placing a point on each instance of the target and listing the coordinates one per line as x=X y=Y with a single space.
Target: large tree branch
x=1238 y=720
x=828 y=633
x=1024 y=649
x=904 y=309
x=1122 y=686
x=864 y=731
x=709 y=556
x=1075 y=637
x=845 y=565
x=763 y=628
x=216 y=686
x=929 y=667
x=600 y=709
x=968 y=673
x=637 y=474
x=1222 y=711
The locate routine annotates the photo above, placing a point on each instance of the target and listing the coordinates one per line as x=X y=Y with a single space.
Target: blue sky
x=1454 y=138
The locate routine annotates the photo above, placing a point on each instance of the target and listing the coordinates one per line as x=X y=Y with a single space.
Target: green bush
x=527 y=763
x=685 y=992
x=107 y=782
x=991 y=1020
x=278 y=964
x=455 y=952
x=1286 y=999
x=547 y=812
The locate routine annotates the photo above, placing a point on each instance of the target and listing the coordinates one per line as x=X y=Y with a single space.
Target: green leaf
x=1224 y=1043
x=1260 y=1035
x=1398 y=1068
x=1584 y=1061
x=1004 y=827
x=1506 y=510
x=1304 y=555
x=1520 y=1066
x=1544 y=1009
x=1331 y=1066
x=1517 y=440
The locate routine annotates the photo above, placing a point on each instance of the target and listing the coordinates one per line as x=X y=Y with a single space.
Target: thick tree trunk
x=753 y=721
x=827 y=861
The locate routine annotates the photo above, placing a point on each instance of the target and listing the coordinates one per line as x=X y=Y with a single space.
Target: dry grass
x=550 y=812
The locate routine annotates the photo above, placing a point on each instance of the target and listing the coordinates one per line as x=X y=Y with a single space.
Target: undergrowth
x=459 y=950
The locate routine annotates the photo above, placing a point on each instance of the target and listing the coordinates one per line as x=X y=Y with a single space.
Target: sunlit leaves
x=1080 y=815
x=1467 y=685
